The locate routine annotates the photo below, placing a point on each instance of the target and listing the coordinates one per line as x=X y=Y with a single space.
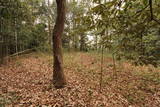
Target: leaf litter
x=27 y=81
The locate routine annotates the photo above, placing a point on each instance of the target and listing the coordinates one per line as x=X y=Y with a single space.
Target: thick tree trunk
x=59 y=80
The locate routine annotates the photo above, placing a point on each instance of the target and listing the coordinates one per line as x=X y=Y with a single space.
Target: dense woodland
x=98 y=51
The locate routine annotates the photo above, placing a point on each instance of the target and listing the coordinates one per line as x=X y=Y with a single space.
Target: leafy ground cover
x=27 y=81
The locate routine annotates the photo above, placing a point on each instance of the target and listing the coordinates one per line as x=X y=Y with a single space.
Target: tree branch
x=154 y=19
x=151 y=9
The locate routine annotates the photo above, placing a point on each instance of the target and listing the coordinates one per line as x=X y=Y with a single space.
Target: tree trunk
x=49 y=28
x=1 y=42
x=59 y=80
x=82 y=42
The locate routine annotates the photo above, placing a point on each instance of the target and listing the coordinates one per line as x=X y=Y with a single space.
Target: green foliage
x=126 y=28
x=46 y=48
x=23 y=25
x=38 y=35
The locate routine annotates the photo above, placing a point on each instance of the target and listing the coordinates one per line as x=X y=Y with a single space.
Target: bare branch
x=154 y=19
x=151 y=10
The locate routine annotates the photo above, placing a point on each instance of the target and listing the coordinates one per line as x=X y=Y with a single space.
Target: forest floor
x=27 y=81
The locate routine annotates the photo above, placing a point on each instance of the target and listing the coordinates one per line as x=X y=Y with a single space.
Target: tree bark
x=82 y=42
x=49 y=28
x=59 y=80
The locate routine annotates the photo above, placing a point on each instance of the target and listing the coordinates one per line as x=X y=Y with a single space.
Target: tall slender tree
x=59 y=80
x=49 y=27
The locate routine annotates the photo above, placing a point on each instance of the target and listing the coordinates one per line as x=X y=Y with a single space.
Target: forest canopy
x=129 y=29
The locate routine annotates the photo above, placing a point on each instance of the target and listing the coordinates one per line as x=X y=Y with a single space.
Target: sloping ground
x=26 y=81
